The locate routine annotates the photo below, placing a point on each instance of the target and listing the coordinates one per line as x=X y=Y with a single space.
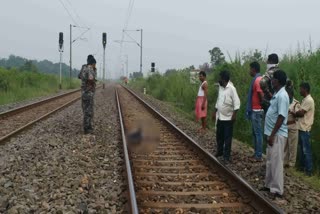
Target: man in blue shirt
x=276 y=130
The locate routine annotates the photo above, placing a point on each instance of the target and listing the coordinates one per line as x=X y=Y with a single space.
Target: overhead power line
x=71 y=17
x=77 y=15
x=129 y=12
x=125 y=26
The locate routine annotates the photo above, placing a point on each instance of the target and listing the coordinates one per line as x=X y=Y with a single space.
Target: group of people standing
x=275 y=116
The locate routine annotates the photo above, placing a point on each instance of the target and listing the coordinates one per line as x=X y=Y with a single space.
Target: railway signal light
x=60 y=41
x=153 y=66
x=104 y=39
x=60 y=50
x=104 y=42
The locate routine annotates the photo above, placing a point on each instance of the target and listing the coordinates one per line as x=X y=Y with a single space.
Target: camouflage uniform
x=265 y=84
x=88 y=77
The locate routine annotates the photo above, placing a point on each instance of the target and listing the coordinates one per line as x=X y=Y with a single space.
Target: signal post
x=104 y=42
x=60 y=50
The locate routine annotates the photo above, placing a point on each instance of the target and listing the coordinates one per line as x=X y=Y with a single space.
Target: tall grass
x=175 y=87
x=17 y=86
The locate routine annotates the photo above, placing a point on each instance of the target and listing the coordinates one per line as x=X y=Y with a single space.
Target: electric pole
x=141 y=51
x=70 y=53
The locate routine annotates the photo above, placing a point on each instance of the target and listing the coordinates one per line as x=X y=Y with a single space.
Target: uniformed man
x=88 y=75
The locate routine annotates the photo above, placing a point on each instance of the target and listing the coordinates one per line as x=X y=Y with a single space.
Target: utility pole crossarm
x=133 y=40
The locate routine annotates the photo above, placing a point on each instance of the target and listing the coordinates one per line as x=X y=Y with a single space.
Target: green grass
x=312 y=181
x=175 y=88
x=16 y=85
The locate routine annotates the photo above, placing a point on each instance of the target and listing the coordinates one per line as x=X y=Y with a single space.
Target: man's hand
x=203 y=106
x=270 y=140
x=214 y=114
x=234 y=116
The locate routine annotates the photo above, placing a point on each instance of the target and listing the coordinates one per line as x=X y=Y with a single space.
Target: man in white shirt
x=227 y=105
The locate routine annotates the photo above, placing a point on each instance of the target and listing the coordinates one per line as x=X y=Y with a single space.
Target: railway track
x=19 y=119
x=179 y=176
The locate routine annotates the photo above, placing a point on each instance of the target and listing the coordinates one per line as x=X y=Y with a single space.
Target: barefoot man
x=201 y=102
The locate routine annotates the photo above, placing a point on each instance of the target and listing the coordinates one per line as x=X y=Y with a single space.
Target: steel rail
x=34 y=104
x=132 y=194
x=257 y=200
x=31 y=105
x=11 y=134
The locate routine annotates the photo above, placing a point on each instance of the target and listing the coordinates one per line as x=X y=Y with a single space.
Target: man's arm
x=300 y=113
x=277 y=126
x=236 y=103
x=214 y=113
x=205 y=89
x=80 y=75
x=305 y=107
x=283 y=109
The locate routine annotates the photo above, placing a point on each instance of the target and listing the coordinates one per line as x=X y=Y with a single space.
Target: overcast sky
x=176 y=33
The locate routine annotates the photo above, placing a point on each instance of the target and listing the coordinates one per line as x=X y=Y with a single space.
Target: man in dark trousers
x=227 y=105
x=306 y=118
x=88 y=75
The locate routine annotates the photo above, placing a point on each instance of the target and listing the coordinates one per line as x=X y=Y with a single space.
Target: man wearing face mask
x=265 y=83
x=88 y=76
x=227 y=105
x=276 y=130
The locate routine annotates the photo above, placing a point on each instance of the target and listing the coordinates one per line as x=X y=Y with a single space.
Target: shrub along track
x=179 y=175
x=16 y=120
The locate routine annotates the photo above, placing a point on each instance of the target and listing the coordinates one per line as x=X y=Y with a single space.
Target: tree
x=252 y=56
x=205 y=67
x=136 y=75
x=44 y=66
x=170 y=71
x=191 y=67
x=216 y=56
x=29 y=66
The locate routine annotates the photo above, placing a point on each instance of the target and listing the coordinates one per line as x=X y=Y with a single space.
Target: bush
x=17 y=85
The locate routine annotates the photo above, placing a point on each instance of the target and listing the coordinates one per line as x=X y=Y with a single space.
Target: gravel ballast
x=54 y=168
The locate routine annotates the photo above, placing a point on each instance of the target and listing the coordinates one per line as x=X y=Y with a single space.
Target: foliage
x=255 y=55
x=313 y=181
x=44 y=66
x=16 y=85
x=216 y=57
x=205 y=67
x=29 y=66
x=136 y=75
